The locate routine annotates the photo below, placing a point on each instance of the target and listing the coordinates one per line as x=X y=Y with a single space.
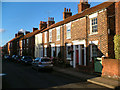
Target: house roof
x=82 y=14
x=15 y=38
x=30 y=34
x=71 y=18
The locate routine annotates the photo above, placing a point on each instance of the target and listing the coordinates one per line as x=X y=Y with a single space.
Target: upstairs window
x=68 y=32
x=94 y=25
x=40 y=38
x=50 y=35
x=45 y=37
x=27 y=41
x=58 y=33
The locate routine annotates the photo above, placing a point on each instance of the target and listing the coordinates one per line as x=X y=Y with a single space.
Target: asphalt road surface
x=20 y=76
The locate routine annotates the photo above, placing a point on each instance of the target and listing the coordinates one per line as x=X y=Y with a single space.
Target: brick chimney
x=20 y=33
x=16 y=35
x=26 y=32
x=67 y=13
x=83 y=5
x=117 y=17
x=42 y=25
x=34 y=29
x=50 y=21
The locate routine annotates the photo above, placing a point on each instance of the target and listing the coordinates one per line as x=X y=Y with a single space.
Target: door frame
x=79 y=42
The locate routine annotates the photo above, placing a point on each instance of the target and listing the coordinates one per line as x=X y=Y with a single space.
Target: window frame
x=91 y=17
x=68 y=31
x=45 y=37
x=58 y=33
x=50 y=35
x=68 y=45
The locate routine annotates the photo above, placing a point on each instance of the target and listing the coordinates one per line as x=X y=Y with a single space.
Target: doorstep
x=106 y=82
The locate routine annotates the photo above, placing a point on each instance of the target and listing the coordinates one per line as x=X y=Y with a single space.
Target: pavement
x=90 y=77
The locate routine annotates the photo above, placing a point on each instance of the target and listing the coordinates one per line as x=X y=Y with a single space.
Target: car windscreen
x=45 y=60
x=27 y=58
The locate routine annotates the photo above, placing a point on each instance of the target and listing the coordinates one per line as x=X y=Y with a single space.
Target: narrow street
x=23 y=76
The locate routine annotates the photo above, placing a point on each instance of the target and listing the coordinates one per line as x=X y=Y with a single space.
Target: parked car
x=17 y=58
x=26 y=60
x=13 y=57
x=42 y=63
x=7 y=57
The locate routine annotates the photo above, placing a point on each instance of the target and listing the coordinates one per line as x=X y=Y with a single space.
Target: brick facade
x=117 y=15
x=77 y=49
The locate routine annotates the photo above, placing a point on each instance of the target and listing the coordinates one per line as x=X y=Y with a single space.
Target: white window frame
x=68 y=45
x=68 y=31
x=92 y=16
x=50 y=35
x=58 y=33
x=40 y=37
x=45 y=36
x=27 y=41
x=52 y=49
x=45 y=50
x=58 y=47
x=91 y=45
x=41 y=50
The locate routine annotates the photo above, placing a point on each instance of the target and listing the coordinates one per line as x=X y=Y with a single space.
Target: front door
x=77 y=57
x=82 y=54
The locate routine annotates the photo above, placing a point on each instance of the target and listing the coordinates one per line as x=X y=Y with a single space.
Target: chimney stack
x=16 y=35
x=20 y=33
x=83 y=5
x=66 y=13
x=34 y=29
x=26 y=32
x=50 y=21
x=42 y=25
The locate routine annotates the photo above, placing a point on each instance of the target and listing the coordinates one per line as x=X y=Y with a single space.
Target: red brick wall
x=111 y=68
x=117 y=11
x=111 y=27
x=102 y=35
x=78 y=31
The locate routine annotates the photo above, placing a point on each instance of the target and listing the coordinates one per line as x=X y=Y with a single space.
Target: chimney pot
x=64 y=9
x=67 y=14
x=67 y=10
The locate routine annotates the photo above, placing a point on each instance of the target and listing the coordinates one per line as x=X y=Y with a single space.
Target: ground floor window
x=52 y=51
x=93 y=51
x=58 y=51
x=45 y=51
x=68 y=51
x=41 y=51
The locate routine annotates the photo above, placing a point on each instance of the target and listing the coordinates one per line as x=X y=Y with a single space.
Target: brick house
x=79 y=38
x=41 y=39
x=13 y=45
x=27 y=43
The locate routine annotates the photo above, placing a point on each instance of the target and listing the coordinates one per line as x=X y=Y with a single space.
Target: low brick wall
x=111 y=68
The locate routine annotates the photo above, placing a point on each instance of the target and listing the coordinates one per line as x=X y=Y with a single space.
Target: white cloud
x=21 y=30
x=2 y=30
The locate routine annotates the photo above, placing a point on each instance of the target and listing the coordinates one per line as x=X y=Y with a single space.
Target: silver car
x=42 y=63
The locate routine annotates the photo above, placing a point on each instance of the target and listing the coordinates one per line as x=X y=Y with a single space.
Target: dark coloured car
x=13 y=57
x=26 y=60
x=7 y=57
x=17 y=58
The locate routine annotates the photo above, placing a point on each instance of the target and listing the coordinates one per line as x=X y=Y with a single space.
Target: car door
x=36 y=62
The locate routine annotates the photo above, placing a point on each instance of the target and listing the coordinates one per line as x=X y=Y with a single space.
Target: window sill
x=68 y=38
x=93 y=33
x=69 y=59
x=58 y=40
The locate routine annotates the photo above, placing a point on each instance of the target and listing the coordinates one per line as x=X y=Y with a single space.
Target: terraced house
x=79 y=38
